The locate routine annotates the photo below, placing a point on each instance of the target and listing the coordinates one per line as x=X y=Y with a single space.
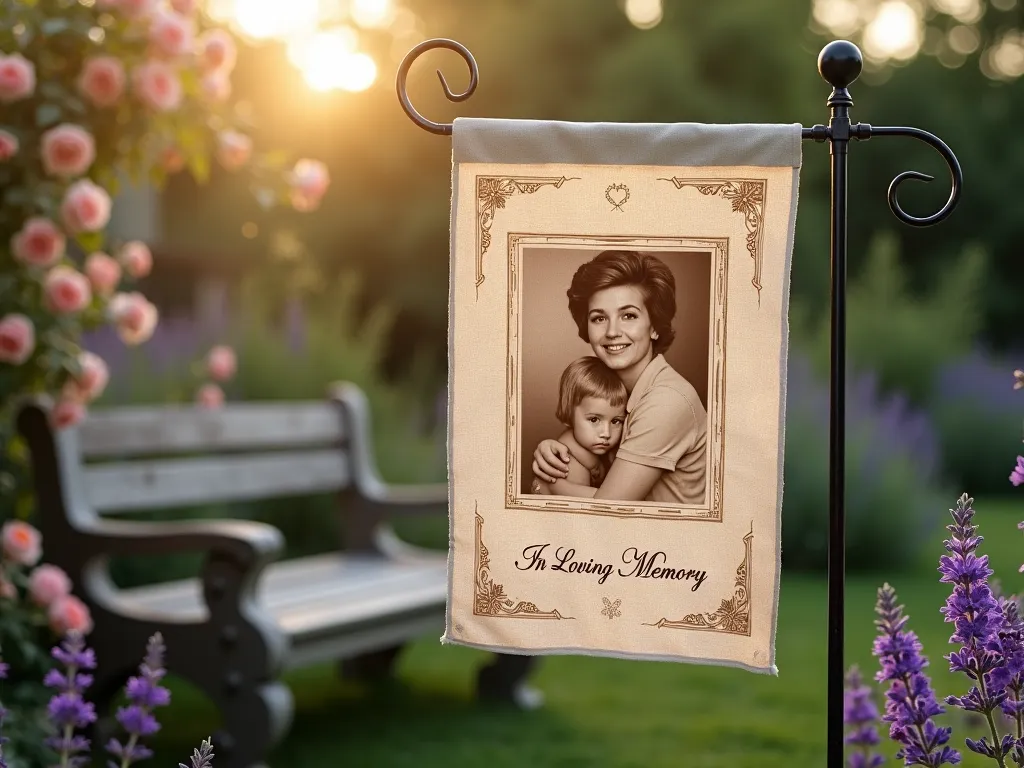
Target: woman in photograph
x=623 y=304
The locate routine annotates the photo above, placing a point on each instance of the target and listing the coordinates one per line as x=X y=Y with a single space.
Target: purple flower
x=910 y=702
x=68 y=710
x=1017 y=475
x=144 y=693
x=978 y=619
x=860 y=715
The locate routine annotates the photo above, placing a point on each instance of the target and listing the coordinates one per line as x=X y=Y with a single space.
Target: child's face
x=597 y=424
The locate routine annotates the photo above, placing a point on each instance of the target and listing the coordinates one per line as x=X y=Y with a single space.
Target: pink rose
x=171 y=34
x=134 y=317
x=221 y=363
x=210 y=396
x=21 y=543
x=185 y=7
x=216 y=86
x=158 y=86
x=104 y=273
x=17 y=339
x=309 y=181
x=86 y=207
x=93 y=379
x=7 y=590
x=136 y=258
x=102 y=80
x=8 y=145
x=67 y=412
x=67 y=150
x=66 y=290
x=38 y=243
x=69 y=614
x=233 y=149
x=17 y=77
x=47 y=584
x=217 y=51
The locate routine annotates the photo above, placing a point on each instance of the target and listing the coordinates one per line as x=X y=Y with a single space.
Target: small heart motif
x=617 y=195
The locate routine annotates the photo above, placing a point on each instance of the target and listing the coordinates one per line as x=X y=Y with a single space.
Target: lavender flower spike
x=68 y=710
x=202 y=757
x=910 y=702
x=145 y=694
x=977 y=617
x=860 y=715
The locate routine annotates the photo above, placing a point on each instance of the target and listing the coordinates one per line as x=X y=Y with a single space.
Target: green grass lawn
x=618 y=714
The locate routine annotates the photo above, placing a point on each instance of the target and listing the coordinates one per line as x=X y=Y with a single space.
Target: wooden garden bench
x=245 y=619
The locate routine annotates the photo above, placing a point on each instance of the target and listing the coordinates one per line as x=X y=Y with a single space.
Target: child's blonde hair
x=587 y=377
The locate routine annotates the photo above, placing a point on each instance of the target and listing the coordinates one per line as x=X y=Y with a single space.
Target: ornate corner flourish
x=489 y=598
x=733 y=615
x=747 y=197
x=491 y=194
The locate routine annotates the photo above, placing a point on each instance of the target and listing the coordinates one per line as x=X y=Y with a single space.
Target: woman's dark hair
x=614 y=268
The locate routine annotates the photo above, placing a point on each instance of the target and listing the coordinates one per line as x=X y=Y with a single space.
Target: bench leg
x=504 y=680
x=255 y=719
x=371 y=667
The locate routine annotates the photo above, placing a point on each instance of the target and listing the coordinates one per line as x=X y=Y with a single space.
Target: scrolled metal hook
x=444 y=129
x=956 y=175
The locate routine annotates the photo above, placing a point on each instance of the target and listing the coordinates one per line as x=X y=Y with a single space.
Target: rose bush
x=93 y=92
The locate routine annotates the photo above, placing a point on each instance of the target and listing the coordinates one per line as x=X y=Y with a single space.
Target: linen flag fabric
x=617 y=359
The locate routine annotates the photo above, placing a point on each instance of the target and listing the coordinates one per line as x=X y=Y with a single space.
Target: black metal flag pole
x=839 y=63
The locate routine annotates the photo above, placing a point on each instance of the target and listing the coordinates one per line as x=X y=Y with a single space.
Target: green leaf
x=199 y=165
x=47 y=115
x=90 y=241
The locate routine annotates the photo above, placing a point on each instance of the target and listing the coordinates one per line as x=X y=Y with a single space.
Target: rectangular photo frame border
x=718 y=247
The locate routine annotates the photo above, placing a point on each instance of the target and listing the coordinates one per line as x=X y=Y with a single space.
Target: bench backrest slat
x=146 y=430
x=146 y=484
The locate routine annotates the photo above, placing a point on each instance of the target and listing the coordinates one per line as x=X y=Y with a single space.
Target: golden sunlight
x=372 y=14
x=966 y=11
x=894 y=33
x=840 y=17
x=328 y=62
x=264 y=19
x=643 y=14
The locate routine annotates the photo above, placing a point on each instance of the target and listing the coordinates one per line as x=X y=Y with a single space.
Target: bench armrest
x=400 y=499
x=246 y=542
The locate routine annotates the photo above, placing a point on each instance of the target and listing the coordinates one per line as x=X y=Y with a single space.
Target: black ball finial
x=839 y=63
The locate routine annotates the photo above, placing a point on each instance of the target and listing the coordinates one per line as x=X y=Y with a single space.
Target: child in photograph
x=592 y=406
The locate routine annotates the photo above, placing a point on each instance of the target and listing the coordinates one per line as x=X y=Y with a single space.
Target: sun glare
x=264 y=19
x=643 y=14
x=328 y=62
x=372 y=14
x=894 y=33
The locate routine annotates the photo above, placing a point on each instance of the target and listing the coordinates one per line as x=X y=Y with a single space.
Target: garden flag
x=617 y=358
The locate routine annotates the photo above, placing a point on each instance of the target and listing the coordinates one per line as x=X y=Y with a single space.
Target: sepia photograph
x=613 y=361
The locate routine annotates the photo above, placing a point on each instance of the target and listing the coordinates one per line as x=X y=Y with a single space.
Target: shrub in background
x=891 y=475
x=904 y=338
x=977 y=414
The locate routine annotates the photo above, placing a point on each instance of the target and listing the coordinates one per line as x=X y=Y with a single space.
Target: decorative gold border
x=733 y=615
x=491 y=194
x=514 y=498
x=748 y=196
x=489 y=598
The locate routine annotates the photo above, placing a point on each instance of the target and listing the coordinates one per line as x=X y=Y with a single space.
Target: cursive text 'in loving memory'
x=640 y=565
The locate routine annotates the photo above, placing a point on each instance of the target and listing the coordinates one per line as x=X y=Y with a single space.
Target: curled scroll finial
x=403 y=73
x=956 y=176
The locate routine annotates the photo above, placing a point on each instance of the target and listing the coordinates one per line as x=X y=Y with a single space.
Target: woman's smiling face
x=619 y=327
